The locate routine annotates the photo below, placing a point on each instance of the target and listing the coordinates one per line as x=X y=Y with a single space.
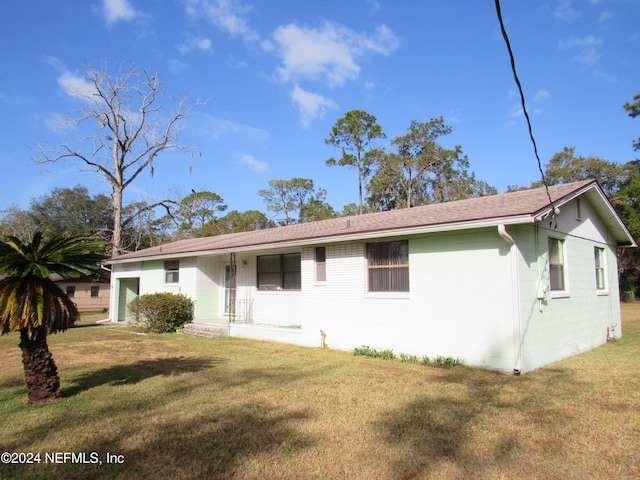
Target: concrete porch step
x=205 y=330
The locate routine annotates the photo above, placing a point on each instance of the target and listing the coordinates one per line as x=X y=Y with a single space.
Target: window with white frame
x=556 y=264
x=600 y=270
x=279 y=272
x=321 y=264
x=172 y=271
x=388 y=266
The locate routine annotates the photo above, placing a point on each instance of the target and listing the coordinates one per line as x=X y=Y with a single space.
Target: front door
x=128 y=289
x=230 y=290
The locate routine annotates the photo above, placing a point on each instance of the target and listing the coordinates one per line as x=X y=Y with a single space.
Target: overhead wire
x=522 y=100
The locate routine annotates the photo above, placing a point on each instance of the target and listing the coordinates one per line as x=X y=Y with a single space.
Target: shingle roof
x=518 y=207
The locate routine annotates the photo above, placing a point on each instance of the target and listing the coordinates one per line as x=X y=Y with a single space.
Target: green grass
x=186 y=407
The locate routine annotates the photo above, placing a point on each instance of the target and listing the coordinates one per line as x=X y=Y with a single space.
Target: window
x=321 y=264
x=95 y=291
x=172 y=271
x=556 y=264
x=71 y=291
x=599 y=258
x=388 y=265
x=279 y=272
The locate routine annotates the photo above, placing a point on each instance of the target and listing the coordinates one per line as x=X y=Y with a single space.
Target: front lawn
x=172 y=406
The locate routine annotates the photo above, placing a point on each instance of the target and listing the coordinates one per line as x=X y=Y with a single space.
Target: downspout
x=515 y=300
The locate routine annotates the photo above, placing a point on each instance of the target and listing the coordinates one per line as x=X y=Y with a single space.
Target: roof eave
x=359 y=236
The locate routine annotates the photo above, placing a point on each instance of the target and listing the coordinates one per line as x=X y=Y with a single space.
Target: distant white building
x=507 y=282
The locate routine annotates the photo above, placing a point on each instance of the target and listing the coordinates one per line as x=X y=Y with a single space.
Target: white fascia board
x=449 y=227
x=542 y=214
x=602 y=206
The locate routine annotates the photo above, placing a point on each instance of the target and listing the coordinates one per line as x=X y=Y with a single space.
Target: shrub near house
x=162 y=312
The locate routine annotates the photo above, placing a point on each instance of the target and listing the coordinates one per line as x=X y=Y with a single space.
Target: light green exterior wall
x=556 y=327
x=209 y=289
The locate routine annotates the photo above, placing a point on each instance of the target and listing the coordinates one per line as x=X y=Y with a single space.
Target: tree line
x=413 y=170
x=130 y=132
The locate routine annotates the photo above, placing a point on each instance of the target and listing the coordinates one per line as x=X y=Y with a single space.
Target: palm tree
x=32 y=304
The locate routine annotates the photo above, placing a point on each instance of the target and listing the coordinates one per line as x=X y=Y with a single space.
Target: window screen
x=388 y=265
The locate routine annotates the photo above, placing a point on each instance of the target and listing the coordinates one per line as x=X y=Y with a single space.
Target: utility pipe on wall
x=515 y=292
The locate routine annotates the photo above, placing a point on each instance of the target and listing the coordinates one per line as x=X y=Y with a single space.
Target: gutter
x=515 y=299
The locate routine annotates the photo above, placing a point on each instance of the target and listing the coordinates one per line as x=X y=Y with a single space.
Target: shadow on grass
x=12 y=383
x=445 y=431
x=217 y=445
x=136 y=372
x=223 y=443
x=213 y=440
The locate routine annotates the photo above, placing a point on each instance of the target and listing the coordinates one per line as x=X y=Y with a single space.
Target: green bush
x=162 y=312
x=404 y=358
x=367 y=351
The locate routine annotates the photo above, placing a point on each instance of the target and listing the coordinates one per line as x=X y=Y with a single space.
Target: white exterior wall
x=459 y=304
x=252 y=305
x=562 y=324
x=472 y=295
x=266 y=307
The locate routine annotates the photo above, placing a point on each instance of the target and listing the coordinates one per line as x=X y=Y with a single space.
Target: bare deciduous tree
x=130 y=130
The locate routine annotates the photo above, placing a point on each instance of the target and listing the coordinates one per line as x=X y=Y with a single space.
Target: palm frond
x=28 y=297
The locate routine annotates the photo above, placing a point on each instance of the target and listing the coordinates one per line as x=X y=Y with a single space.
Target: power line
x=522 y=100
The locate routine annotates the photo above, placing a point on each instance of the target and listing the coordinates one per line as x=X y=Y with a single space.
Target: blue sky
x=278 y=74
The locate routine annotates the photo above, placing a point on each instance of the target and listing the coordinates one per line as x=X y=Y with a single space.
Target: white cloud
x=56 y=122
x=76 y=86
x=311 y=105
x=541 y=95
x=374 y=6
x=605 y=16
x=202 y=43
x=565 y=11
x=219 y=127
x=327 y=53
x=517 y=111
x=236 y=63
x=607 y=77
x=13 y=99
x=177 y=65
x=195 y=43
x=227 y=15
x=253 y=164
x=383 y=42
x=586 y=48
x=115 y=10
x=455 y=116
